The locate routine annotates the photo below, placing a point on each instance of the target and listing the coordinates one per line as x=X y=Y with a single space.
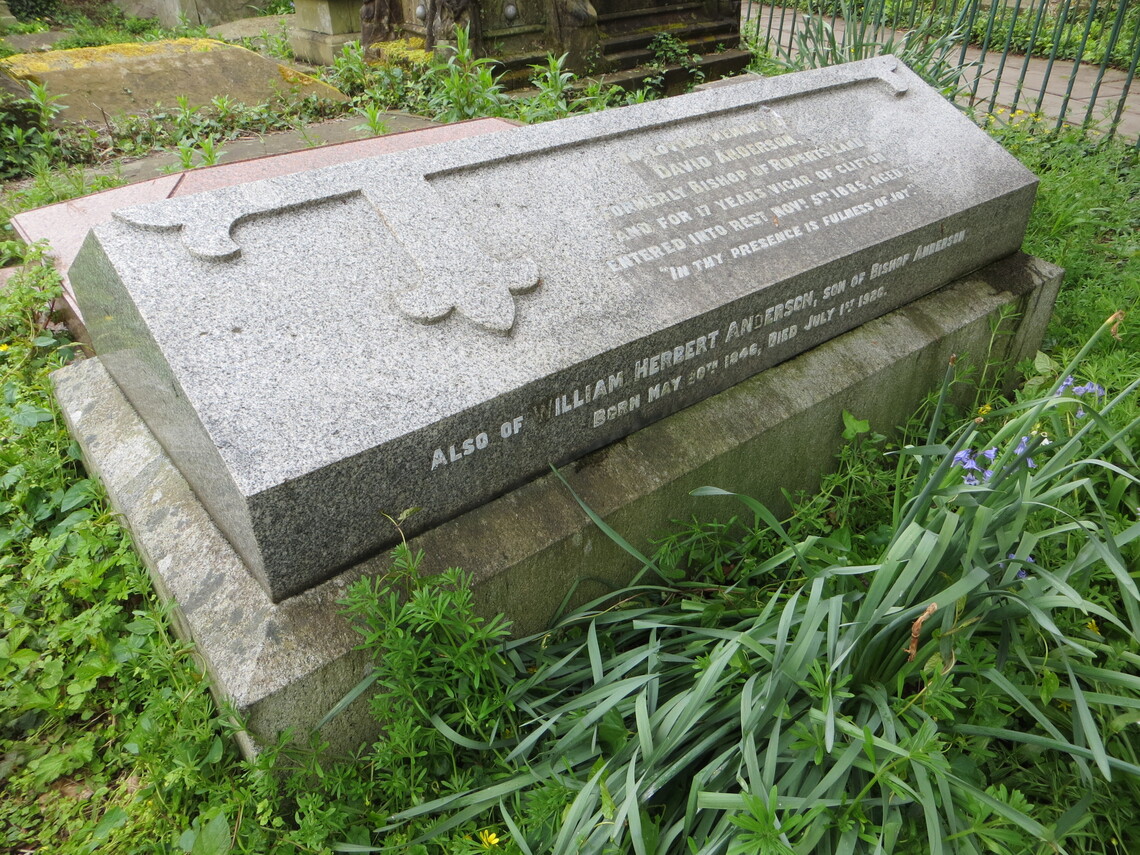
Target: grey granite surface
x=432 y=328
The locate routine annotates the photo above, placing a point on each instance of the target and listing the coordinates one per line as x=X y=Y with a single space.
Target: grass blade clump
x=806 y=697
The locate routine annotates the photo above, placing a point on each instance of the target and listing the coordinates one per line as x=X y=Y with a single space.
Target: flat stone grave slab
x=432 y=328
x=99 y=83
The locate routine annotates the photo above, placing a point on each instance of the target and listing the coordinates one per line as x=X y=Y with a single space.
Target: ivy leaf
x=28 y=416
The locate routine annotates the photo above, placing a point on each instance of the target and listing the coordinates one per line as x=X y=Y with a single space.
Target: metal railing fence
x=1072 y=61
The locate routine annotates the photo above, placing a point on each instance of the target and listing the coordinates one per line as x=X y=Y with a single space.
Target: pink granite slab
x=270 y=166
x=65 y=224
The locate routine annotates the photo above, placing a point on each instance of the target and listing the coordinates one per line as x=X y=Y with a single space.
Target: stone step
x=640 y=57
x=678 y=79
x=725 y=28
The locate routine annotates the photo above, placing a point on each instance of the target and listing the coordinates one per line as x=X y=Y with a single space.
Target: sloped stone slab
x=433 y=328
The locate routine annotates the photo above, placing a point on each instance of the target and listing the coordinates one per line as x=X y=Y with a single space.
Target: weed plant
x=47 y=186
x=462 y=86
x=667 y=51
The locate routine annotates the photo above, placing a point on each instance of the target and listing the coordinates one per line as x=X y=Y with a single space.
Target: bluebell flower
x=990 y=453
x=1090 y=387
x=971 y=479
x=1022 y=572
x=965 y=459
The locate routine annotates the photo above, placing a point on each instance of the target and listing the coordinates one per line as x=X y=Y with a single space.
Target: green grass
x=108 y=737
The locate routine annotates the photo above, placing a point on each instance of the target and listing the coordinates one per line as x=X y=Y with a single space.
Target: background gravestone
x=98 y=83
x=597 y=36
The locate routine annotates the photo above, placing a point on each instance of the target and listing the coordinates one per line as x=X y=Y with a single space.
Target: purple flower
x=1080 y=412
x=1021 y=573
x=990 y=453
x=965 y=459
x=987 y=475
x=971 y=479
x=1021 y=446
x=1065 y=384
x=1088 y=388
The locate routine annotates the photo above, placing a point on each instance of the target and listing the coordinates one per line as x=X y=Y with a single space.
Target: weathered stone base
x=319 y=48
x=284 y=665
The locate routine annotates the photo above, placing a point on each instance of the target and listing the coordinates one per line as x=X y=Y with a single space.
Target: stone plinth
x=328 y=16
x=319 y=48
x=324 y=27
x=284 y=665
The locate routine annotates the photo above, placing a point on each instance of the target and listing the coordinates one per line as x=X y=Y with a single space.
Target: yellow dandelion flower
x=985 y=410
x=1092 y=627
x=488 y=839
x=3 y=347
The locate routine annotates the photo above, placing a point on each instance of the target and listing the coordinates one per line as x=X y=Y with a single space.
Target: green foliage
x=930 y=47
x=1040 y=27
x=462 y=86
x=807 y=703
x=465 y=87
x=440 y=678
x=1086 y=219
x=27 y=10
x=374 y=121
x=202 y=128
x=26 y=130
x=277 y=7
x=75 y=635
x=47 y=186
x=103 y=23
x=667 y=51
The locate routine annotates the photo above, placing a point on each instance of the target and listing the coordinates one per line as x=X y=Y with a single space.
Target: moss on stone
x=404 y=53
x=28 y=65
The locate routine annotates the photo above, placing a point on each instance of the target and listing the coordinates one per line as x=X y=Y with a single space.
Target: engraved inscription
x=645 y=384
x=730 y=193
